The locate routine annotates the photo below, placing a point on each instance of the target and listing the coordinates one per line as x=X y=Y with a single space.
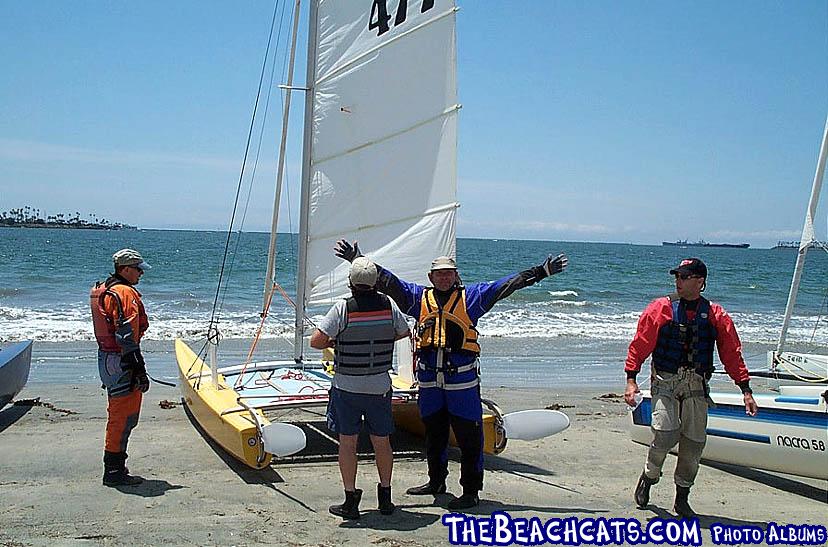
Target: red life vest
x=101 y=322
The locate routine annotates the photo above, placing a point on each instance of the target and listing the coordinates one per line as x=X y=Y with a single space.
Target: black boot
x=427 y=489
x=350 y=509
x=681 y=506
x=115 y=471
x=386 y=506
x=466 y=501
x=642 y=490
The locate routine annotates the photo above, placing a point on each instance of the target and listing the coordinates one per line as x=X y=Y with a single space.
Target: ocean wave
x=575 y=303
x=573 y=294
x=564 y=319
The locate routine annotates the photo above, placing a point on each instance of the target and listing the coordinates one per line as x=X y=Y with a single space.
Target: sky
x=605 y=121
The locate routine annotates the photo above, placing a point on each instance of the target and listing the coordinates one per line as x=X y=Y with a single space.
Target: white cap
x=363 y=272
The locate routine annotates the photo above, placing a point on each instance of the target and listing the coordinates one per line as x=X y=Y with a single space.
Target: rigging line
x=197 y=383
x=213 y=316
x=255 y=341
x=824 y=306
x=306 y=317
x=258 y=152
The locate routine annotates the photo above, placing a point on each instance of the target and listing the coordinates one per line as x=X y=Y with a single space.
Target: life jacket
x=366 y=344
x=113 y=336
x=446 y=327
x=685 y=343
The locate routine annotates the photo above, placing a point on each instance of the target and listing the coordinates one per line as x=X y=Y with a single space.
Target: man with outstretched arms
x=448 y=369
x=120 y=321
x=679 y=331
x=362 y=330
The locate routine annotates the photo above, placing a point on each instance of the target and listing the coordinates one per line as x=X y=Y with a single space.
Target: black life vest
x=366 y=344
x=685 y=343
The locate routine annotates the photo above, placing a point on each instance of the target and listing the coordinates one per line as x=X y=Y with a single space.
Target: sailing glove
x=346 y=251
x=550 y=266
x=134 y=363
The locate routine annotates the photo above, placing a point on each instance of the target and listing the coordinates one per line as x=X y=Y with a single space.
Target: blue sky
x=581 y=121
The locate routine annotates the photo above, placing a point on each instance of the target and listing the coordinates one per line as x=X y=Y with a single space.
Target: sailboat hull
x=787 y=435
x=217 y=411
x=224 y=413
x=407 y=418
x=15 y=361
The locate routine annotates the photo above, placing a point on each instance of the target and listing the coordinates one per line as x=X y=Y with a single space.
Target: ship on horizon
x=703 y=243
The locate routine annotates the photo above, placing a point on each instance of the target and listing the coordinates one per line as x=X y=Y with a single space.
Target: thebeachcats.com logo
x=500 y=528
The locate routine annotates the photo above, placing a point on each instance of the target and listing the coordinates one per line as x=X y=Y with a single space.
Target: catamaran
x=378 y=166
x=15 y=361
x=788 y=434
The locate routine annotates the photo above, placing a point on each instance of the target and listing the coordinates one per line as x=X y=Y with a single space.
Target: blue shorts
x=346 y=411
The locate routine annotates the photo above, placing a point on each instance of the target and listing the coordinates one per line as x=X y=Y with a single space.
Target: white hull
x=788 y=435
x=808 y=367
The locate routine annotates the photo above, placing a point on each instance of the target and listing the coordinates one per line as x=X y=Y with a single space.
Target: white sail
x=384 y=138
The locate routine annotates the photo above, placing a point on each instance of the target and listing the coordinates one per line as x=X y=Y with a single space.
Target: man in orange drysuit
x=120 y=321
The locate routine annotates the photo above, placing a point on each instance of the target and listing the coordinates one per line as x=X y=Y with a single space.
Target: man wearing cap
x=362 y=330
x=119 y=321
x=679 y=331
x=448 y=368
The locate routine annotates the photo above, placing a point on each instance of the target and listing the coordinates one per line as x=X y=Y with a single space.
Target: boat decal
x=801 y=418
x=798 y=400
x=764 y=439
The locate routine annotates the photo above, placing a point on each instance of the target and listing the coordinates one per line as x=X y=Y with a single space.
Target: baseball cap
x=363 y=272
x=443 y=263
x=130 y=257
x=690 y=266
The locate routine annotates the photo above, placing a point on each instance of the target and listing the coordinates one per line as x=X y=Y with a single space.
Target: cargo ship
x=702 y=243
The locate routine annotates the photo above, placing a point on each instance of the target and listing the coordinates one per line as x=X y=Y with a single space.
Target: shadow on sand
x=150 y=488
x=786 y=483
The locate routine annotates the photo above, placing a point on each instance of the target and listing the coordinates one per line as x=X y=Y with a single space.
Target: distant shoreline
x=70 y=226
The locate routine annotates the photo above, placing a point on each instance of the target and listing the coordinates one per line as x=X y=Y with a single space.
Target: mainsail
x=380 y=148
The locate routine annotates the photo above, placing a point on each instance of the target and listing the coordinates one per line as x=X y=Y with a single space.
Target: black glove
x=550 y=266
x=346 y=251
x=142 y=382
x=133 y=362
x=555 y=265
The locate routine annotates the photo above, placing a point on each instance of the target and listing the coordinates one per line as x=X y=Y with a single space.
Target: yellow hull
x=407 y=418
x=235 y=432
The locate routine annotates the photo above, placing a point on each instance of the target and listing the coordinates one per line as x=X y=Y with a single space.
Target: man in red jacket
x=679 y=331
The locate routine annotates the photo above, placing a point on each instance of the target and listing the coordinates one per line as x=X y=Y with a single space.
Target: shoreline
x=50 y=464
x=506 y=362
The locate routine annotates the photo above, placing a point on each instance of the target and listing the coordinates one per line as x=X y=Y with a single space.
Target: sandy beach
x=50 y=481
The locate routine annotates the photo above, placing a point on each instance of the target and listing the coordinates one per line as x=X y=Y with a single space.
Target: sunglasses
x=685 y=277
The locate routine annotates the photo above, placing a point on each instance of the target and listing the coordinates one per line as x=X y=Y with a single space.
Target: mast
x=307 y=144
x=807 y=238
x=271 y=252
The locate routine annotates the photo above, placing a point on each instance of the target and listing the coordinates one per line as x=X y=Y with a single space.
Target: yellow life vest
x=448 y=327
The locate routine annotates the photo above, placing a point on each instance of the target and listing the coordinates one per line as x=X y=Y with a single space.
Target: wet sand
x=50 y=480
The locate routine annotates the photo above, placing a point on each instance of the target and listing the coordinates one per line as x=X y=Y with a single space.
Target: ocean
x=571 y=329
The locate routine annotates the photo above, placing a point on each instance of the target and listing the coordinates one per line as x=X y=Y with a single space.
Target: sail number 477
x=379 y=14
